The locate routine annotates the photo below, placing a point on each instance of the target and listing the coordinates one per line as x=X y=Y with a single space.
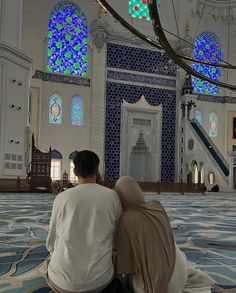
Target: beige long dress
x=185 y=278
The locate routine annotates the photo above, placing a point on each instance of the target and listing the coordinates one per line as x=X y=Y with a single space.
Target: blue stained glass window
x=67 y=40
x=77 y=111
x=213 y=124
x=199 y=116
x=208 y=48
x=55 y=109
x=139 y=9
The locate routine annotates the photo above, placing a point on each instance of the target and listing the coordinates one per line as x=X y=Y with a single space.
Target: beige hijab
x=144 y=240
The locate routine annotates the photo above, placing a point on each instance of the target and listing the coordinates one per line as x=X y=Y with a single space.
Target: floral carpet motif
x=204 y=228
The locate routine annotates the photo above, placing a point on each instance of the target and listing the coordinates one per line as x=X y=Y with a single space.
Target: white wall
x=65 y=137
x=221 y=140
x=34 y=33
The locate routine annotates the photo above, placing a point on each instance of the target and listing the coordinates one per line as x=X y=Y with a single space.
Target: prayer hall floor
x=204 y=227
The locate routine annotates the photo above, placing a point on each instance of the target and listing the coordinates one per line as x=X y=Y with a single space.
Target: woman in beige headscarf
x=146 y=249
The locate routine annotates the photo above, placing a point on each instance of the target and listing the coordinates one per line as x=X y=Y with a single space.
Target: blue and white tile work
x=203 y=227
x=139 y=59
x=115 y=93
x=131 y=60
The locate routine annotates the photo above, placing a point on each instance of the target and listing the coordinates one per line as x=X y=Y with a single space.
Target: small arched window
x=56 y=165
x=77 y=111
x=55 y=109
x=213 y=124
x=67 y=40
x=139 y=9
x=211 y=178
x=199 y=116
x=73 y=177
x=207 y=48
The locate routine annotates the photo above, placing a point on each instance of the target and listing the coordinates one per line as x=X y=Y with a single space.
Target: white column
x=98 y=104
x=11 y=22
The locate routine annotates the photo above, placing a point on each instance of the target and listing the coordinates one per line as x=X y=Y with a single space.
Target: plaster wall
x=10 y=22
x=221 y=140
x=65 y=137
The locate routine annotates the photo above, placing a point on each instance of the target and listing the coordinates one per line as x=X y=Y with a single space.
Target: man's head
x=86 y=165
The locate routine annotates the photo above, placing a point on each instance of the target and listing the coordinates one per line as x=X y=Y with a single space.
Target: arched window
x=213 y=124
x=77 y=111
x=55 y=109
x=207 y=48
x=211 y=178
x=73 y=177
x=199 y=116
x=56 y=165
x=194 y=172
x=67 y=40
x=139 y=9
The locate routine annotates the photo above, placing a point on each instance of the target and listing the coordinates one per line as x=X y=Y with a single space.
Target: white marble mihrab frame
x=142 y=109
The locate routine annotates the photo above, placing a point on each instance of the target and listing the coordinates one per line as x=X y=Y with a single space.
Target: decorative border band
x=217 y=99
x=139 y=78
x=52 y=77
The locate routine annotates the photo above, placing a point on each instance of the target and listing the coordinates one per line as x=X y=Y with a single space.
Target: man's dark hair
x=85 y=163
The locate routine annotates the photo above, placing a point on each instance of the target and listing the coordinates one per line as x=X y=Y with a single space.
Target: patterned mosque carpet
x=204 y=227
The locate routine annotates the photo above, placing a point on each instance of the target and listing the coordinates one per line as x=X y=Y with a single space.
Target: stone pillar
x=15 y=72
x=98 y=30
x=11 y=22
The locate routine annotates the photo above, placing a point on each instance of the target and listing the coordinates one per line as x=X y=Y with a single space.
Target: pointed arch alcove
x=140 y=153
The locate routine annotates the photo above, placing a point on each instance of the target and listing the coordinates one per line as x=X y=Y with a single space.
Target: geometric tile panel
x=115 y=93
x=137 y=59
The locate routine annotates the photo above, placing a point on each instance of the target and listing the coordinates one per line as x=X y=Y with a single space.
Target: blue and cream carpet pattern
x=204 y=227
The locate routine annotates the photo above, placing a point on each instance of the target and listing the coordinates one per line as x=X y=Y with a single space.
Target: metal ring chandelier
x=165 y=45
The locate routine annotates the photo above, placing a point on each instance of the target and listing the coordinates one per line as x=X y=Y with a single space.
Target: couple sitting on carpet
x=88 y=224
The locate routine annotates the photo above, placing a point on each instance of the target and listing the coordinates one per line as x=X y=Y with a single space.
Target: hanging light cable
x=154 y=43
x=157 y=27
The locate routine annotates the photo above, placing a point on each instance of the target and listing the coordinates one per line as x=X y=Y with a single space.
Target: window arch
x=213 y=124
x=77 y=111
x=139 y=9
x=67 y=40
x=199 y=116
x=56 y=163
x=207 y=48
x=55 y=109
x=73 y=177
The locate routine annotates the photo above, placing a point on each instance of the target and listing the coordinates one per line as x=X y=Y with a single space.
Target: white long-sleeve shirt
x=80 y=237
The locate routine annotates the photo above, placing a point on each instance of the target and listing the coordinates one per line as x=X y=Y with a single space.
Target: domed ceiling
x=216 y=9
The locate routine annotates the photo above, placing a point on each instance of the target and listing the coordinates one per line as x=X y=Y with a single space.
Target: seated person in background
x=146 y=249
x=56 y=187
x=81 y=233
x=215 y=188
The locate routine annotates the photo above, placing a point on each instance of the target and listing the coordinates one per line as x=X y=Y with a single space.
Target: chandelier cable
x=153 y=43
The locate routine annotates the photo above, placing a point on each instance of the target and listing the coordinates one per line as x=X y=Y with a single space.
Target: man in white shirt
x=81 y=232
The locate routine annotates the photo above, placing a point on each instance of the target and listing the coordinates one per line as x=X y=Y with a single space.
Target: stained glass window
x=77 y=111
x=139 y=9
x=55 y=109
x=208 y=48
x=67 y=40
x=199 y=116
x=213 y=124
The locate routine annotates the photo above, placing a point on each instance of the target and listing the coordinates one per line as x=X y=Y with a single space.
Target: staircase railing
x=216 y=154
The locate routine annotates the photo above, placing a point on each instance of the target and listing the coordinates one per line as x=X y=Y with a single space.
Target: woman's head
x=129 y=192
